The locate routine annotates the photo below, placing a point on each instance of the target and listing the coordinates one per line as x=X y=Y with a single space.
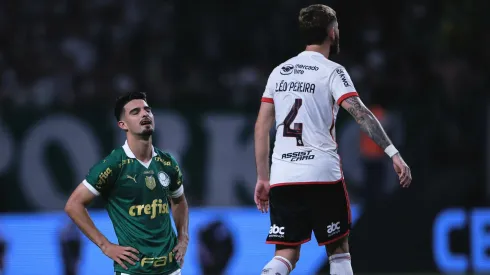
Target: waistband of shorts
x=176 y=272
x=305 y=183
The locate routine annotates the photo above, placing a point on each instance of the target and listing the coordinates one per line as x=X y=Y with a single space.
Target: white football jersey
x=306 y=92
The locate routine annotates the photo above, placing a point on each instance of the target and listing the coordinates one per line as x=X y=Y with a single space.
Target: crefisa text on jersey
x=295 y=86
x=297 y=156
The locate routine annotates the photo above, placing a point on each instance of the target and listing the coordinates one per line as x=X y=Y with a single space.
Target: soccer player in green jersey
x=137 y=182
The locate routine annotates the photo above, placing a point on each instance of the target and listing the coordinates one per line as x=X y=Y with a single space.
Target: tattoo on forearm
x=368 y=122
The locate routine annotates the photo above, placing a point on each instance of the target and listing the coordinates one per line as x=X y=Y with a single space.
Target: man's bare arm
x=367 y=121
x=180 y=212
x=76 y=208
x=265 y=121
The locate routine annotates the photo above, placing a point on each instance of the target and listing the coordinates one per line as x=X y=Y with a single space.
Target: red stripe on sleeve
x=346 y=96
x=268 y=100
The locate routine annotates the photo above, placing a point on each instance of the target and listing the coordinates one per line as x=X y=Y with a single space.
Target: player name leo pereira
x=295 y=86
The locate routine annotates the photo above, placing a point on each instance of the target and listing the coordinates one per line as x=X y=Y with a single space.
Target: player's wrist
x=259 y=178
x=183 y=238
x=103 y=244
x=391 y=150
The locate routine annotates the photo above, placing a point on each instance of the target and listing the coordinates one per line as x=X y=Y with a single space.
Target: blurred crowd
x=417 y=58
x=61 y=51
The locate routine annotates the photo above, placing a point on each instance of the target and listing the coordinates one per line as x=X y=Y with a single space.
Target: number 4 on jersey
x=297 y=131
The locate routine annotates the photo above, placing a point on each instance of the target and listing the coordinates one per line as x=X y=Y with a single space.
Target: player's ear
x=331 y=33
x=122 y=125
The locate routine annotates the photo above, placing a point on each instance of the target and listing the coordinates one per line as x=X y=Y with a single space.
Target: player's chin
x=148 y=131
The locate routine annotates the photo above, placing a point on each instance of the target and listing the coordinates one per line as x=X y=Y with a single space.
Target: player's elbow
x=72 y=206
x=69 y=207
x=364 y=115
x=79 y=199
x=368 y=117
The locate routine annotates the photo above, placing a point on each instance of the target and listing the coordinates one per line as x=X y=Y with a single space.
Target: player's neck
x=141 y=148
x=323 y=49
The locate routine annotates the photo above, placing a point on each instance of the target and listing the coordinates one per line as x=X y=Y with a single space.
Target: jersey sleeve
x=268 y=95
x=102 y=176
x=176 y=187
x=341 y=85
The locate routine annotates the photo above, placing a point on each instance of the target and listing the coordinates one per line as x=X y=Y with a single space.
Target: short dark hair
x=124 y=99
x=314 y=22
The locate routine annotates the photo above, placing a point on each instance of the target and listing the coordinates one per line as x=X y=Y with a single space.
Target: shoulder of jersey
x=284 y=68
x=115 y=156
x=326 y=63
x=118 y=153
x=288 y=66
x=163 y=154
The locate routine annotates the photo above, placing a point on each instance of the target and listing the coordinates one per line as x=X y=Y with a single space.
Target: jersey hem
x=122 y=271
x=91 y=188
x=305 y=183
x=346 y=96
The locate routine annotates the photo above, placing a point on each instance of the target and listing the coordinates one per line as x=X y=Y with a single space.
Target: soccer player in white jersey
x=307 y=190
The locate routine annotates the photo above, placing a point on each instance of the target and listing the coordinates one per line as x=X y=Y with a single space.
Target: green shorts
x=176 y=272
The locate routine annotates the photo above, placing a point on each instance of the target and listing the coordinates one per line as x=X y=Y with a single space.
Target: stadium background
x=422 y=66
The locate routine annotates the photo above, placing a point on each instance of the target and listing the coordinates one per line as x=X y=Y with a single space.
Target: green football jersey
x=137 y=201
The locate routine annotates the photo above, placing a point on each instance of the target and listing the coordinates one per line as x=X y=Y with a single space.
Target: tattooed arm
x=345 y=94
x=367 y=121
x=371 y=126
